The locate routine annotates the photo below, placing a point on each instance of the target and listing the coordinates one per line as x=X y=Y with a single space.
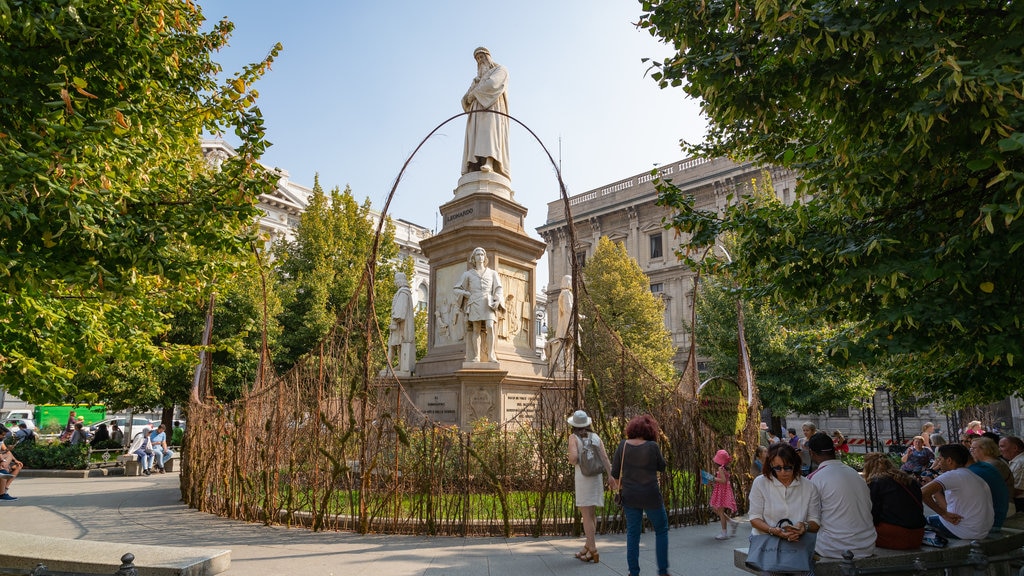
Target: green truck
x=54 y=417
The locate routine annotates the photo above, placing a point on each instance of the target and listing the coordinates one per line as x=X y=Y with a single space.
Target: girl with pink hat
x=723 y=501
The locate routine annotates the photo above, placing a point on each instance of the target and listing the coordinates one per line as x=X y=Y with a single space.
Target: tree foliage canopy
x=619 y=301
x=319 y=271
x=108 y=214
x=903 y=120
x=792 y=371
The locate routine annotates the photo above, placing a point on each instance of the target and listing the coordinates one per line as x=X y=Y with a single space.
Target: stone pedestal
x=447 y=387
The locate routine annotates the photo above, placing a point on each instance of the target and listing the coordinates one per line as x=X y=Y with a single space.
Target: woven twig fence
x=332 y=446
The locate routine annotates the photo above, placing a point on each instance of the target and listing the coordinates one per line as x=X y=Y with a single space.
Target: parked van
x=54 y=417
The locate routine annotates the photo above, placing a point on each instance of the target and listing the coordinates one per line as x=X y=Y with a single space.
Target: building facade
x=625 y=211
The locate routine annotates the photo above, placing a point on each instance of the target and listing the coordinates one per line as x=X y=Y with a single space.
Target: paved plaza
x=148 y=511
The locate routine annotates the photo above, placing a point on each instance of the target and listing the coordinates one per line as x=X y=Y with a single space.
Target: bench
x=1001 y=543
x=132 y=467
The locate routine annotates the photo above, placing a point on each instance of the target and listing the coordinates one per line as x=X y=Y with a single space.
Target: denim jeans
x=936 y=524
x=160 y=457
x=634 y=524
x=145 y=460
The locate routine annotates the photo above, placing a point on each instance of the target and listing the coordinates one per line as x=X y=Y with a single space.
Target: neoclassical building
x=283 y=207
x=625 y=211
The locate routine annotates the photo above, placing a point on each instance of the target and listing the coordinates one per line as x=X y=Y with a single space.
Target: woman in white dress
x=589 y=489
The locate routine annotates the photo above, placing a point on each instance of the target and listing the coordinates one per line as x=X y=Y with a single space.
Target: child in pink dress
x=723 y=501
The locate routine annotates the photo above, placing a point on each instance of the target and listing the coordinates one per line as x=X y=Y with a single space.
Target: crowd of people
x=967 y=489
x=805 y=494
x=151 y=446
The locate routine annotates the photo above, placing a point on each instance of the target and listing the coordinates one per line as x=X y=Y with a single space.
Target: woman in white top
x=589 y=489
x=780 y=493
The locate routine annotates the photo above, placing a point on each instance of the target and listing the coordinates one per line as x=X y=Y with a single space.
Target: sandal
x=588 y=555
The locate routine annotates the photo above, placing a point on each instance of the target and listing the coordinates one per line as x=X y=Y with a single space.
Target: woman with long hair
x=589 y=489
x=896 y=506
x=635 y=467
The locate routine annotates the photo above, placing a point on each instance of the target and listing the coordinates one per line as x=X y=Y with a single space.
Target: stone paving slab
x=147 y=511
x=24 y=551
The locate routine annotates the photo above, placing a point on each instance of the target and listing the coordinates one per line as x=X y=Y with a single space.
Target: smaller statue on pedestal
x=560 y=349
x=402 y=336
x=480 y=292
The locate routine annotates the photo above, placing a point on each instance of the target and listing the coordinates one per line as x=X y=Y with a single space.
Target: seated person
x=23 y=434
x=143 y=450
x=896 y=504
x=79 y=435
x=10 y=467
x=962 y=500
x=917 y=460
x=986 y=450
x=101 y=435
x=161 y=451
x=998 y=491
x=116 y=434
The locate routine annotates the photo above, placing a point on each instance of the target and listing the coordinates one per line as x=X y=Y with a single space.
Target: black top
x=639 y=474
x=895 y=503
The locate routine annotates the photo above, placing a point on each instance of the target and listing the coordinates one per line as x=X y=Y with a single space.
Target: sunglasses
x=781 y=468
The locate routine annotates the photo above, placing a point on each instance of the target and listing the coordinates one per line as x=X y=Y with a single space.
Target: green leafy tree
x=620 y=307
x=109 y=215
x=241 y=304
x=319 y=271
x=904 y=123
x=792 y=371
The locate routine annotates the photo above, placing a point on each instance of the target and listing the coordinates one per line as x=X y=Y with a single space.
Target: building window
x=839 y=413
x=581 y=258
x=656 y=251
x=657 y=288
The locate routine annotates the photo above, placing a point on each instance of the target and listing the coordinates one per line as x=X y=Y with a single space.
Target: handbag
x=769 y=553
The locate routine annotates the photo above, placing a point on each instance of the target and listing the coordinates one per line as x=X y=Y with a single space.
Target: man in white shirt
x=846 y=522
x=1011 y=448
x=961 y=498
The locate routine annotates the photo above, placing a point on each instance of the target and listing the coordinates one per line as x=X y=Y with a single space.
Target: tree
x=619 y=306
x=903 y=120
x=792 y=372
x=319 y=271
x=109 y=216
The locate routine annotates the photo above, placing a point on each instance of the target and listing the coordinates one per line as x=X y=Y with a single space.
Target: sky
x=359 y=85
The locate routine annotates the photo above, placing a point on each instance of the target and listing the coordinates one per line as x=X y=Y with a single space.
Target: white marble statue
x=559 y=350
x=486 y=147
x=402 y=336
x=563 y=326
x=481 y=297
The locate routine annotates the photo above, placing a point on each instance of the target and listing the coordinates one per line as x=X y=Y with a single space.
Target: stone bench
x=22 y=552
x=1010 y=539
x=133 y=468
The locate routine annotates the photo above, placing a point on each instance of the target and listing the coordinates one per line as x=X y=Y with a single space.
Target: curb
x=87 y=473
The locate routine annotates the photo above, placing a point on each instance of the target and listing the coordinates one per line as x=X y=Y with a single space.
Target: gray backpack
x=589 y=458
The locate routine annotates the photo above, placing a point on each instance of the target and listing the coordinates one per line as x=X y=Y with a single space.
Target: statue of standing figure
x=402 y=336
x=559 y=350
x=481 y=296
x=486 y=148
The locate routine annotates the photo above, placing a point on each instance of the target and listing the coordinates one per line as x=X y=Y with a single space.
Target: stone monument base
x=474 y=393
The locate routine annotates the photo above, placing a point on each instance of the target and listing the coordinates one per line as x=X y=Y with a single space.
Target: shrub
x=53 y=455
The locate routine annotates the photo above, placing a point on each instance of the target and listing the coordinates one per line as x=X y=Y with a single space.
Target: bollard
x=127 y=566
